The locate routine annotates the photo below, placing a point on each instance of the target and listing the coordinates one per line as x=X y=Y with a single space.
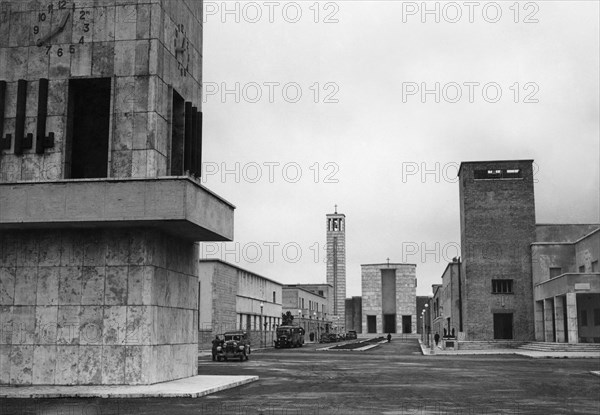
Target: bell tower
x=336 y=265
x=101 y=209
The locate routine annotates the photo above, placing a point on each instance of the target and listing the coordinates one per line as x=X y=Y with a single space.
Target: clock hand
x=59 y=29
x=180 y=49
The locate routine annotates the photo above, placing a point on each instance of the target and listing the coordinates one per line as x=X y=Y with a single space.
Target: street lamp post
x=425 y=315
x=261 y=317
x=317 y=329
x=423 y=325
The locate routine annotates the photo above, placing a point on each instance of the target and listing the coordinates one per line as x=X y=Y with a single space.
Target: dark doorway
x=88 y=128
x=503 y=326
x=406 y=324
x=389 y=323
x=371 y=324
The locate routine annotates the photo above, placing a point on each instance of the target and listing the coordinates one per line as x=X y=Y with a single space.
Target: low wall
x=487 y=345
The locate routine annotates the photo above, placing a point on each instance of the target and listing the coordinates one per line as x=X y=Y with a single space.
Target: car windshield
x=283 y=331
x=232 y=337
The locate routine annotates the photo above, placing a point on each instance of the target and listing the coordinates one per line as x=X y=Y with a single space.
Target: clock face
x=182 y=50
x=59 y=27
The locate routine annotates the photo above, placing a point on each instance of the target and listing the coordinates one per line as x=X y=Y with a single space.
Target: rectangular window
x=582 y=268
x=88 y=127
x=274 y=296
x=595 y=266
x=584 y=321
x=502 y=286
x=555 y=272
x=497 y=174
x=177 y=134
x=596 y=316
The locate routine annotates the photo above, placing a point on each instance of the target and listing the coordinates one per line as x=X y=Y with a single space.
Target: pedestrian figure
x=389 y=337
x=215 y=343
x=436 y=338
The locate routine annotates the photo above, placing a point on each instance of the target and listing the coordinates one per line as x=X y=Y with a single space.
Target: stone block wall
x=103 y=307
x=497 y=228
x=225 y=289
x=132 y=42
x=406 y=294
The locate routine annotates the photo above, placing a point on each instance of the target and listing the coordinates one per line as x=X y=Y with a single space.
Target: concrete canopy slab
x=177 y=205
x=193 y=387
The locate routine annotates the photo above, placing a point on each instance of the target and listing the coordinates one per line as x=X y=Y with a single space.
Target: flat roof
x=492 y=161
x=293 y=286
x=587 y=235
x=386 y=264
x=238 y=268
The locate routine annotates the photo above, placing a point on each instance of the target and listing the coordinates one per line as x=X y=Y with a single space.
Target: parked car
x=289 y=336
x=236 y=344
x=351 y=335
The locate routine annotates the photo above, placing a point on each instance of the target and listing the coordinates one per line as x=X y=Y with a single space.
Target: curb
x=360 y=349
x=158 y=390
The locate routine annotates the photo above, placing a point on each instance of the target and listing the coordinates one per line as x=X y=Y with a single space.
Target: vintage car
x=289 y=336
x=351 y=335
x=236 y=345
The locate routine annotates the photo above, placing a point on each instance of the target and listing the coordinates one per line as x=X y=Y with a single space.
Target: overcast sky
x=369 y=137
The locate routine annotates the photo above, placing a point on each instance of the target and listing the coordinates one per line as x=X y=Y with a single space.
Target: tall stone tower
x=101 y=208
x=336 y=265
x=497 y=222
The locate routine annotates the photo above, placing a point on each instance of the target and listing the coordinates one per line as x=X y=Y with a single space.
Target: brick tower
x=100 y=206
x=336 y=266
x=497 y=222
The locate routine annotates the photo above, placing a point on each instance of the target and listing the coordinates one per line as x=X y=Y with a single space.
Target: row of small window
x=583 y=317
x=502 y=286
x=312 y=305
x=556 y=271
x=497 y=174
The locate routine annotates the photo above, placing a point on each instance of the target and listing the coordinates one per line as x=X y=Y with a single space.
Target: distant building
x=447 y=302
x=517 y=280
x=566 y=282
x=309 y=308
x=389 y=298
x=231 y=298
x=336 y=262
x=497 y=224
x=354 y=314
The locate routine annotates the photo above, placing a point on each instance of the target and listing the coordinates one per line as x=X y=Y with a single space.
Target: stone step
x=561 y=347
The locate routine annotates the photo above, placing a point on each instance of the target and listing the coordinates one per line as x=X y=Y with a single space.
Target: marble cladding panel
x=95 y=303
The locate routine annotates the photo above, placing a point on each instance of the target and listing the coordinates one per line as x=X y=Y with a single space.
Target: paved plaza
x=390 y=379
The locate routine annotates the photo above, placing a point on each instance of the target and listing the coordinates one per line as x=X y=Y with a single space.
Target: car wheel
x=214 y=357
